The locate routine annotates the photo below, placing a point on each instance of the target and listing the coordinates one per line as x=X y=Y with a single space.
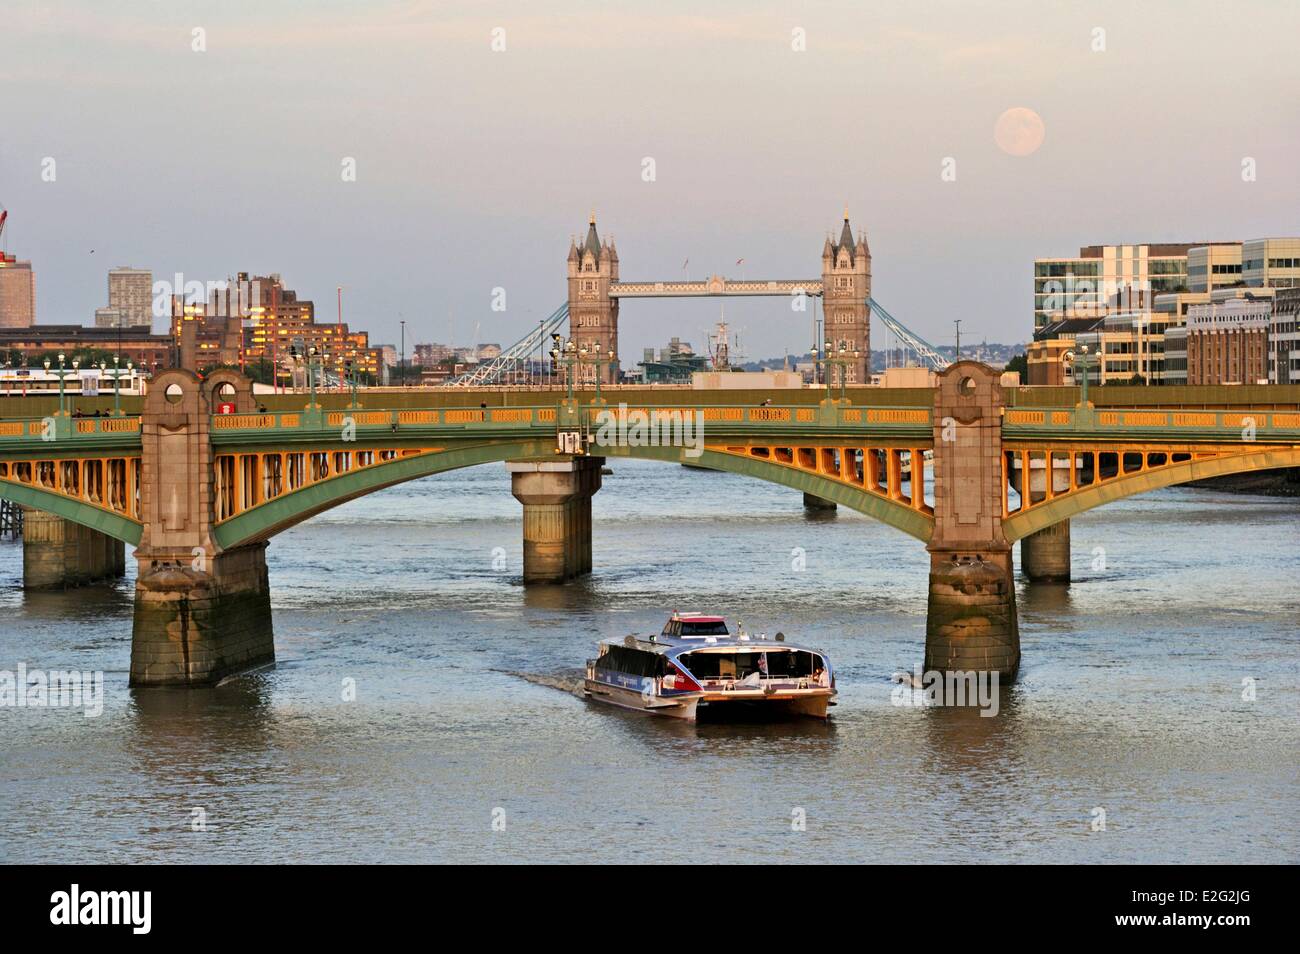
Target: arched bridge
x=199 y=493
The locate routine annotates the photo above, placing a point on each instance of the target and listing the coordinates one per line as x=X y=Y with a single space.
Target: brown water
x=1130 y=699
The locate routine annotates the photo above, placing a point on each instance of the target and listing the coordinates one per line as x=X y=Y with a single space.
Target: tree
x=1019 y=363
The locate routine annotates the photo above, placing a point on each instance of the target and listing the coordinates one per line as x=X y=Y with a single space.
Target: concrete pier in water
x=556 y=495
x=201 y=612
x=971 y=623
x=58 y=553
x=1045 y=555
x=815 y=503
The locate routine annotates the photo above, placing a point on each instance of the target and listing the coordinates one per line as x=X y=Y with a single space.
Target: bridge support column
x=556 y=495
x=199 y=621
x=815 y=503
x=972 y=623
x=201 y=612
x=1045 y=555
x=58 y=553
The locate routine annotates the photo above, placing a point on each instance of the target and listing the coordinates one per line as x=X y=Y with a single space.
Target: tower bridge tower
x=846 y=286
x=593 y=314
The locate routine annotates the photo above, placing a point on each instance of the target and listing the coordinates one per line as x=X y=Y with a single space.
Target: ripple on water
x=1130 y=698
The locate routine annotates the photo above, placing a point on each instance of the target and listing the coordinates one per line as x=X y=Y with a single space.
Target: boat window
x=712 y=628
x=634 y=662
x=715 y=665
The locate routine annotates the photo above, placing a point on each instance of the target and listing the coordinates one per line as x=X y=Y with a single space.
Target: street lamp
x=62 y=372
x=311 y=376
x=565 y=354
x=1083 y=361
x=846 y=356
x=598 y=362
x=830 y=367
x=116 y=373
x=829 y=361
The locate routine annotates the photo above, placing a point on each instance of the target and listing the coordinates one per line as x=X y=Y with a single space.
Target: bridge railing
x=1043 y=422
x=53 y=427
x=1070 y=421
x=549 y=417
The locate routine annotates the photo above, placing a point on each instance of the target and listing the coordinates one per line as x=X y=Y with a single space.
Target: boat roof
x=676 y=645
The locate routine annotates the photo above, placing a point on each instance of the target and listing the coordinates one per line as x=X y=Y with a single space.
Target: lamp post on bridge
x=116 y=374
x=1084 y=361
x=599 y=362
x=351 y=375
x=830 y=361
x=62 y=372
x=565 y=355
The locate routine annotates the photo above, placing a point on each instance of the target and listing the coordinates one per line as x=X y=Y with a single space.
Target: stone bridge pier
x=556 y=495
x=201 y=613
x=58 y=553
x=1044 y=554
x=971 y=624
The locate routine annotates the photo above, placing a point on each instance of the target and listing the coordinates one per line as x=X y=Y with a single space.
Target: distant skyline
x=474 y=166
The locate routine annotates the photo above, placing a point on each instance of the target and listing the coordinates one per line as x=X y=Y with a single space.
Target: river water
x=465 y=741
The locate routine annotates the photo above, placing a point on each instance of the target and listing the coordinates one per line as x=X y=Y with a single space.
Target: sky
x=475 y=165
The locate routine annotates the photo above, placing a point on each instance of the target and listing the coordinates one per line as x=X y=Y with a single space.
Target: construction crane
x=3 y=215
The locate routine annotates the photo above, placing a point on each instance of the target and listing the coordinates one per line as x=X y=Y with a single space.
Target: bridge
x=595 y=293
x=200 y=494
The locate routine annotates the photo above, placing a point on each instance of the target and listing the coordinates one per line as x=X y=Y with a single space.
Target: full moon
x=1019 y=131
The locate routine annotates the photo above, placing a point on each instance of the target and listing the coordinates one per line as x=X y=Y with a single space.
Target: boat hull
x=716 y=706
x=681 y=707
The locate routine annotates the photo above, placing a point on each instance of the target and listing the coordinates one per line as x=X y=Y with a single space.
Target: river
x=466 y=742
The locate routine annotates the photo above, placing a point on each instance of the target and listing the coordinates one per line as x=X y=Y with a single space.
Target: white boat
x=696 y=668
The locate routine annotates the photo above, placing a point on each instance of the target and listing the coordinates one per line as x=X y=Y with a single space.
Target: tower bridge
x=595 y=291
x=200 y=494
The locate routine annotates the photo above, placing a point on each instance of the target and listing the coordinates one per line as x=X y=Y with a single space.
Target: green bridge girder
x=97 y=518
x=274 y=516
x=475 y=442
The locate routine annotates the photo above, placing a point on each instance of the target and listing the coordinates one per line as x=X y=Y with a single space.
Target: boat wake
x=565 y=680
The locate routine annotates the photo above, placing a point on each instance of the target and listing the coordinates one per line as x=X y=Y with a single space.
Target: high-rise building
x=1271 y=263
x=1284 y=337
x=1155 y=340
x=846 y=286
x=130 y=299
x=17 y=293
x=1212 y=266
x=1106 y=278
x=275 y=321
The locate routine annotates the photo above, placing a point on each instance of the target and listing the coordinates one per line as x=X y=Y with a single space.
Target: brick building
x=1227 y=343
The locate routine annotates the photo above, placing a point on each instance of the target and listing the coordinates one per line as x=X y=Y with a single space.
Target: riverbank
x=1265 y=483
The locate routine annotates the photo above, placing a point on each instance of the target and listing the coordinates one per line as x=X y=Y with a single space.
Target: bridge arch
x=1020 y=525
x=73 y=510
x=287 y=510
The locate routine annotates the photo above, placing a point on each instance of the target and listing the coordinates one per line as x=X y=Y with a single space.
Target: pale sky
x=474 y=167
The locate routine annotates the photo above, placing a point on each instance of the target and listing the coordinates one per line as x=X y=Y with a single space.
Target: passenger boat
x=697 y=668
